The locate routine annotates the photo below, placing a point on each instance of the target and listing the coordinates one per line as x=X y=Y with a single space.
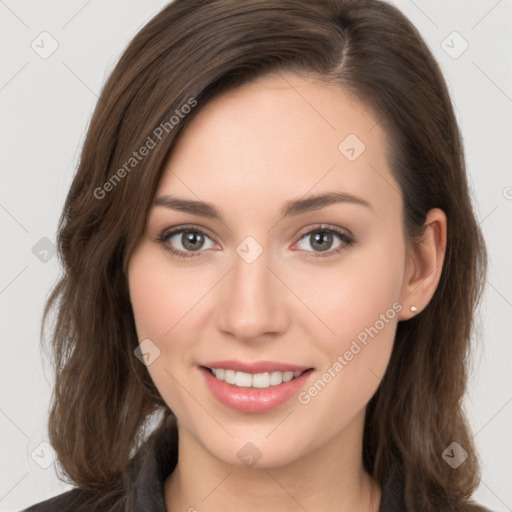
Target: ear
x=424 y=265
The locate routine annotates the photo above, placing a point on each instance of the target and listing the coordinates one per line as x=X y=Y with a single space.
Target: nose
x=251 y=305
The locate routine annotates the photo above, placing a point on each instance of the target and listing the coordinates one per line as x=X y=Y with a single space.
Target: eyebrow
x=290 y=208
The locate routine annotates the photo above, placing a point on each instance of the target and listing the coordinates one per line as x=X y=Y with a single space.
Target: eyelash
x=347 y=240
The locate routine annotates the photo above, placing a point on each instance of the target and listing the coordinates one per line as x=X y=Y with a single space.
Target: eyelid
x=186 y=227
x=326 y=227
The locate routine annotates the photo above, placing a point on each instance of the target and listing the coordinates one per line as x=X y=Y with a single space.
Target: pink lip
x=256 y=400
x=257 y=367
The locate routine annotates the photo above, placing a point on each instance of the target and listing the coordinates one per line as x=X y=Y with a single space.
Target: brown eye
x=185 y=242
x=321 y=240
x=192 y=240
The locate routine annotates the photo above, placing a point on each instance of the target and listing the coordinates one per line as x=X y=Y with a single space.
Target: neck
x=331 y=477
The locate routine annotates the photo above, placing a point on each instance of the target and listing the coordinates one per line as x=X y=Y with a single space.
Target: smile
x=254 y=380
x=254 y=390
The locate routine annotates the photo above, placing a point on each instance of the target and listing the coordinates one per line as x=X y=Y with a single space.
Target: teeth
x=257 y=380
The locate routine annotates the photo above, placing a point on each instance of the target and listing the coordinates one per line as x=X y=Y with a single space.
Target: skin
x=248 y=152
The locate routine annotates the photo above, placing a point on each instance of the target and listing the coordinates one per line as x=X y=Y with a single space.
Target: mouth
x=254 y=387
x=254 y=380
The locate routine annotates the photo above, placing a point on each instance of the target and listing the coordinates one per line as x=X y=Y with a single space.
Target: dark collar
x=159 y=456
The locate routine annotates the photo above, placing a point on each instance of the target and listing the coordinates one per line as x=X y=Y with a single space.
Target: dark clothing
x=145 y=485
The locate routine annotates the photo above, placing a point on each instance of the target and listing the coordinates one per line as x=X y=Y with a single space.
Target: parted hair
x=190 y=52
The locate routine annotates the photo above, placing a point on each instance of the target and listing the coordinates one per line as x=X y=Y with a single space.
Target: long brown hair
x=188 y=53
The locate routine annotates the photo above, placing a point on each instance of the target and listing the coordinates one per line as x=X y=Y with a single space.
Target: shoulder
x=472 y=506
x=139 y=487
x=68 y=500
x=78 y=500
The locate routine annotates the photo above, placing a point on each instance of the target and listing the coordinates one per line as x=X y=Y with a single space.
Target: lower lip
x=253 y=399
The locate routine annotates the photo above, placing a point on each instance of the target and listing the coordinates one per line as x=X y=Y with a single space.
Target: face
x=307 y=285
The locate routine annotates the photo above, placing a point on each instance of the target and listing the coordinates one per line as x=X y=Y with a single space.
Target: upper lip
x=255 y=367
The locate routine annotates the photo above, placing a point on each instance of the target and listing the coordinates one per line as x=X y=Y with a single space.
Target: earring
x=413 y=309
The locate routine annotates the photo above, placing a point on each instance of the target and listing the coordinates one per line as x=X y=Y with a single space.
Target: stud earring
x=413 y=309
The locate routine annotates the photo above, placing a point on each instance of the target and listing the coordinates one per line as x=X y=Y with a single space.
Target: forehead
x=278 y=137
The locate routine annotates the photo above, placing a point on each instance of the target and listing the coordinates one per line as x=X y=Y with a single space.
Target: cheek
x=354 y=295
x=161 y=296
x=358 y=304
x=161 y=303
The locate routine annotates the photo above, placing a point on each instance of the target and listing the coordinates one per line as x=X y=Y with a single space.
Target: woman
x=269 y=247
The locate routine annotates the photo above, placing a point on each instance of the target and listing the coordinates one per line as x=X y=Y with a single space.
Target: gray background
x=46 y=106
